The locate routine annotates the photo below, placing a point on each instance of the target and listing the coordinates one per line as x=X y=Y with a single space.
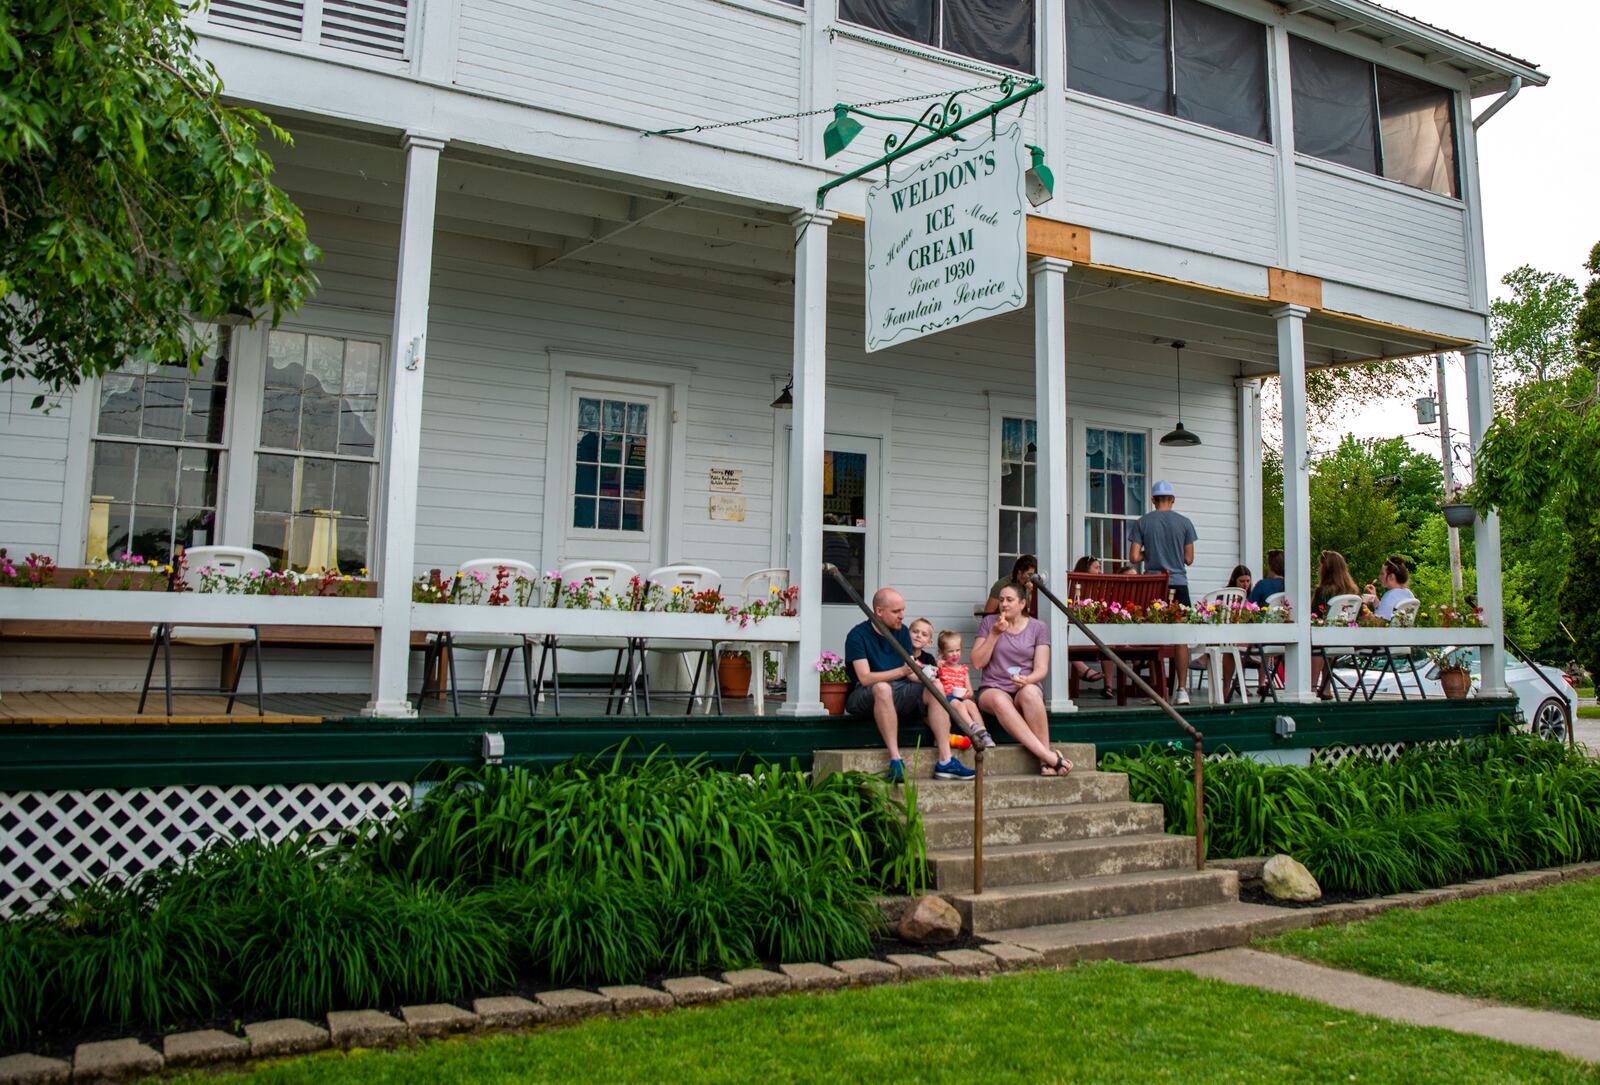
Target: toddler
x=953 y=679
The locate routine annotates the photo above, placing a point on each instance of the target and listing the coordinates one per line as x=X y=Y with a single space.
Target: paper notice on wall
x=727 y=507
x=727 y=480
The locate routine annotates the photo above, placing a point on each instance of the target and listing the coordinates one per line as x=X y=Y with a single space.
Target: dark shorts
x=1180 y=592
x=907 y=699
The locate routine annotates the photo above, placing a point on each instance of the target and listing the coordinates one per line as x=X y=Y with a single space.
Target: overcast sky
x=1539 y=158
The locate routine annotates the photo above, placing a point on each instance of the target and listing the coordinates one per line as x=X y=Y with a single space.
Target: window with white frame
x=316 y=467
x=159 y=438
x=1117 y=484
x=364 y=26
x=610 y=466
x=1019 y=502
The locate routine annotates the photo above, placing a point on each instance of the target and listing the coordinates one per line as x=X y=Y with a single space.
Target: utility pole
x=1448 y=456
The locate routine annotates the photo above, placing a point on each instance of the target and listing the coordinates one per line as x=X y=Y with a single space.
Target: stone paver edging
x=119 y=1060
x=1565 y=1033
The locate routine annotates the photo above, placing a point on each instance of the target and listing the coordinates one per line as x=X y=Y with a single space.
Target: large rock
x=1285 y=879
x=931 y=921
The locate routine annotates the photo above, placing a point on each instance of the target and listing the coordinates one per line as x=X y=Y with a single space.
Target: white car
x=1548 y=711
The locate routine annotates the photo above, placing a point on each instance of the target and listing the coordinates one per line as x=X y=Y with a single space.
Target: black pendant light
x=1179 y=437
x=785 y=398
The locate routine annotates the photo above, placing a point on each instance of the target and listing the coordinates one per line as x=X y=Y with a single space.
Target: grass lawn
x=1095 y=1023
x=1589 y=712
x=1537 y=949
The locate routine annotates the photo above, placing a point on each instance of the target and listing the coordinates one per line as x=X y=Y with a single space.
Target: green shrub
x=711 y=924
x=577 y=929
x=814 y=914
x=26 y=952
x=1435 y=815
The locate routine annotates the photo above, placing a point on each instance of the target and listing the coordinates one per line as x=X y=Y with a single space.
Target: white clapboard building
x=574 y=252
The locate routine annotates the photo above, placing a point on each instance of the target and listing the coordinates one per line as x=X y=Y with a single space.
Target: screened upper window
x=1178 y=57
x=996 y=31
x=1370 y=118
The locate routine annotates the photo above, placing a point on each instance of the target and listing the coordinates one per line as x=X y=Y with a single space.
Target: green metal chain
x=819 y=112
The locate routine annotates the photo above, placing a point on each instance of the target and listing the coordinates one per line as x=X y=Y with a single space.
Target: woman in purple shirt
x=1013 y=652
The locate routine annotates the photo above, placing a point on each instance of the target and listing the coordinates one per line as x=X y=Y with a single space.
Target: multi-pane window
x=158 y=445
x=844 y=521
x=318 y=458
x=1370 y=118
x=1019 y=502
x=1117 y=485
x=1179 y=57
x=996 y=31
x=610 y=467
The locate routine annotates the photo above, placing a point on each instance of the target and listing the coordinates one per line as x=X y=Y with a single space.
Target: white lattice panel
x=1334 y=756
x=52 y=840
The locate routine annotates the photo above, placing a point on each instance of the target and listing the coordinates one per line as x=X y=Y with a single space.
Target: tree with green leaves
x=132 y=200
x=1540 y=458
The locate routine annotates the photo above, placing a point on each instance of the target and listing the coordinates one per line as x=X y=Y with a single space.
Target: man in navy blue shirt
x=1272 y=583
x=882 y=686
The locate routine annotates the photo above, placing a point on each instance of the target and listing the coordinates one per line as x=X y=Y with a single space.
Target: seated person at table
x=1272 y=583
x=882 y=686
x=1240 y=578
x=1021 y=570
x=1396 y=578
x=956 y=682
x=1013 y=651
x=1333 y=578
x=1082 y=670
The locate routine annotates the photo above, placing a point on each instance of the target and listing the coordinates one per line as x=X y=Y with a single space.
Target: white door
x=850 y=530
x=613 y=469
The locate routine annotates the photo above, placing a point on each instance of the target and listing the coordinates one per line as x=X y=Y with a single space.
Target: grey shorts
x=907 y=699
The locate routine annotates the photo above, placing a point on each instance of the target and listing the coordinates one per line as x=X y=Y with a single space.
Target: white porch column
x=805 y=454
x=1050 y=413
x=1486 y=532
x=1251 y=551
x=1296 y=497
x=391 y=656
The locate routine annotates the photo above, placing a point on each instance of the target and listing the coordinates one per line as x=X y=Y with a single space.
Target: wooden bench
x=1128 y=590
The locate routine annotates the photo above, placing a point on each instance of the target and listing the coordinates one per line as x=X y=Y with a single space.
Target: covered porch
x=507 y=295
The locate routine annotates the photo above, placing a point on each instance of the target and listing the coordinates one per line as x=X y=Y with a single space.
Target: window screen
x=1182 y=58
x=995 y=31
x=1335 y=116
x=1419 y=139
x=1119 y=49
x=914 y=19
x=1220 y=69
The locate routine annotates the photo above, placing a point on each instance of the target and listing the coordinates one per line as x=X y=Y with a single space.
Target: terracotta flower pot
x=733 y=674
x=1457 y=681
x=833 y=697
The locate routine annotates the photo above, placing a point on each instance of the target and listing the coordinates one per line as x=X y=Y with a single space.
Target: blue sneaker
x=896 y=772
x=952 y=770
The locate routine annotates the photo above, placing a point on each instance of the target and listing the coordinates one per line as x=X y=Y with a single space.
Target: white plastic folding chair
x=1341 y=609
x=602 y=576
x=760 y=584
x=1226 y=601
x=1268 y=658
x=520 y=581
x=689 y=580
x=232 y=562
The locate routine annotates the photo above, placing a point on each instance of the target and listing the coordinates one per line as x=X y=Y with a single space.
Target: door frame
x=569 y=368
x=850 y=411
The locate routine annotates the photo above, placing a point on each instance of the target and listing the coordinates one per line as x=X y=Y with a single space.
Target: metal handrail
x=1037 y=580
x=1545 y=678
x=830 y=569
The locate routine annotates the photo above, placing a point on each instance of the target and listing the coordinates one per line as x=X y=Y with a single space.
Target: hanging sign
x=947 y=243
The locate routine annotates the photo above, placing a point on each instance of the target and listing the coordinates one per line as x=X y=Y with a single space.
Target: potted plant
x=733 y=674
x=1454 y=676
x=835 y=682
x=1458 y=510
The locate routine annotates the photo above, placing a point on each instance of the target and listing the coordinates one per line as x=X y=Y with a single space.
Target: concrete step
x=1039 y=824
x=1102 y=897
x=1012 y=792
x=1062 y=861
x=1151 y=936
x=1006 y=759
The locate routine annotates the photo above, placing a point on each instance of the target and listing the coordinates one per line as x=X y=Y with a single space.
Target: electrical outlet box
x=1283 y=726
x=494 y=747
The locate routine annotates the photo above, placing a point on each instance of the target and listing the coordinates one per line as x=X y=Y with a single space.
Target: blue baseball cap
x=1162 y=488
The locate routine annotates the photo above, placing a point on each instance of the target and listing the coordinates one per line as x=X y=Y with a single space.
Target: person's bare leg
x=884 y=716
x=1180 y=666
x=1030 y=702
x=1000 y=706
x=938 y=723
x=1227 y=678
